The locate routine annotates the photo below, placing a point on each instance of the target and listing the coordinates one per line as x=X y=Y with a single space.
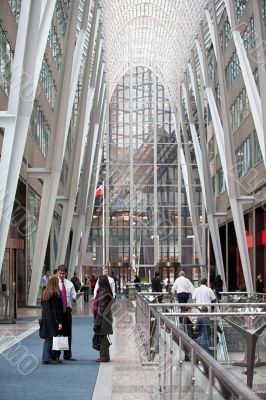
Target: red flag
x=99 y=191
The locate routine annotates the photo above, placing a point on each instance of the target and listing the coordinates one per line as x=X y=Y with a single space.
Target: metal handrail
x=214 y=371
x=148 y=316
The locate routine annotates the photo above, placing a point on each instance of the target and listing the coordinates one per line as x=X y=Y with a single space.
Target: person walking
x=86 y=288
x=44 y=280
x=68 y=295
x=182 y=287
x=203 y=327
x=51 y=322
x=115 y=281
x=156 y=285
x=203 y=294
x=218 y=286
x=137 y=280
x=76 y=282
x=103 y=317
x=111 y=282
x=259 y=284
x=92 y=283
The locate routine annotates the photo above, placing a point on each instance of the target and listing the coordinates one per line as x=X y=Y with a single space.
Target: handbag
x=60 y=343
x=40 y=321
x=96 y=344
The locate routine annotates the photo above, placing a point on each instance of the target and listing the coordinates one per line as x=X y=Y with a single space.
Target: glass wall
x=232 y=70
x=239 y=110
x=143 y=180
x=39 y=129
x=55 y=47
x=48 y=85
x=33 y=210
x=15 y=6
x=54 y=237
x=6 y=59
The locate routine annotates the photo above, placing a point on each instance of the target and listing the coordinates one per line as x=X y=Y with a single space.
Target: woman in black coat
x=51 y=323
x=103 y=318
x=218 y=286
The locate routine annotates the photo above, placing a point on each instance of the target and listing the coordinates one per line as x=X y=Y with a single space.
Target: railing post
x=180 y=363
x=171 y=365
x=164 y=359
x=192 y=355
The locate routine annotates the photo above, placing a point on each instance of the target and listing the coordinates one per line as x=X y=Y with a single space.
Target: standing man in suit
x=68 y=294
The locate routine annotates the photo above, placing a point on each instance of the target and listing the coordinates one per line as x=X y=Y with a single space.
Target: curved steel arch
x=175 y=21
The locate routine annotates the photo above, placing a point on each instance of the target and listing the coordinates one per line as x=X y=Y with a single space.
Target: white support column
x=64 y=102
x=156 y=238
x=189 y=186
x=227 y=156
x=205 y=176
x=131 y=161
x=94 y=174
x=179 y=181
x=94 y=181
x=80 y=132
x=79 y=228
x=29 y=46
x=249 y=80
x=107 y=176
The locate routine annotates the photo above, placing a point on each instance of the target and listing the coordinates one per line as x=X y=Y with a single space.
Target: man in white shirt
x=111 y=281
x=182 y=287
x=69 y=294
x=203 y=294
x=45 y=279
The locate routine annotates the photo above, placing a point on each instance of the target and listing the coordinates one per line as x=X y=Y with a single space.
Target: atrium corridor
x=133 y=146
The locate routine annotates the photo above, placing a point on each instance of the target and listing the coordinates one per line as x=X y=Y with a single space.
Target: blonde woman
x=51 y=325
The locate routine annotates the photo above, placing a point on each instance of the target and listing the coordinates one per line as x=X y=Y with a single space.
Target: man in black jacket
x=155 y=283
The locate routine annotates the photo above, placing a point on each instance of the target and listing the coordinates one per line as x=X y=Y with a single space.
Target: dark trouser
x=104 y=347
x=182 y=298
x=67 y=330
x=48 y=353
x=86 y=295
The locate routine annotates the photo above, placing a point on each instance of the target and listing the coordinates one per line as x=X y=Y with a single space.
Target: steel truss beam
x=189 y=178
x=204 y=170
x=63 y=108
x=226 y=149
x=80 y=134
x=31 y=40
x=249 y=80
x=79 y=220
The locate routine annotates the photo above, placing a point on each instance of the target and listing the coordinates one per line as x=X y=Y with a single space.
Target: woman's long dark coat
x=52 y=311
x=103 y=320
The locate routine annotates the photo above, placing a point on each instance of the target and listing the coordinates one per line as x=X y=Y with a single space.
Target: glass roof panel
x=156 y=33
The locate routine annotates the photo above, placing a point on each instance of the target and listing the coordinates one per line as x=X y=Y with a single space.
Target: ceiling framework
x=154 y=33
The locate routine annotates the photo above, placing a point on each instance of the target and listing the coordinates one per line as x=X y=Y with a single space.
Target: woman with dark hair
x=259 y=284
x=218 y=286
x=103 y=317
x=51 y=322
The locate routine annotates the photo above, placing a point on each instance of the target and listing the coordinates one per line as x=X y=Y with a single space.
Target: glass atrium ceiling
x=154 y=33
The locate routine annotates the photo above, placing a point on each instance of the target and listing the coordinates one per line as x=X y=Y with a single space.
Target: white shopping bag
x=60 y=343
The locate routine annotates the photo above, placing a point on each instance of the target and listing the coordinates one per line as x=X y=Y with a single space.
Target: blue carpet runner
x=24 y=377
